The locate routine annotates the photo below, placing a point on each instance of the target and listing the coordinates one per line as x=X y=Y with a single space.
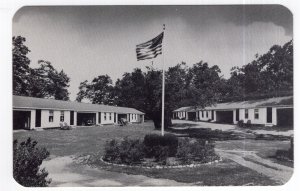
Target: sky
x=88 y=41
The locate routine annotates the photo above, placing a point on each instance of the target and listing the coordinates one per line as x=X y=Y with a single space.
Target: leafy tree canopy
x=43 y=82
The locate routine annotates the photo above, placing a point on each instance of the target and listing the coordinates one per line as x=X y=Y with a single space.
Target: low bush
x=196 y=150
x=112 y=151
x=134 y=151
x=127 y=151
x=131 y=151
x=154 y=142
x=241 y=123
x=248 y=124
x=27 y=159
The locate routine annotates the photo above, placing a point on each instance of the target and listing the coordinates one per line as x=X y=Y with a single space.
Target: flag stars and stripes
x=150 y=49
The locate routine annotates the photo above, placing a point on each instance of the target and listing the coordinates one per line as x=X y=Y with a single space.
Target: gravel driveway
x=64 y=172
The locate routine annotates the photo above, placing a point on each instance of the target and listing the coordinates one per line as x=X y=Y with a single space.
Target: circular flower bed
x=156 y=151
x=161 y=166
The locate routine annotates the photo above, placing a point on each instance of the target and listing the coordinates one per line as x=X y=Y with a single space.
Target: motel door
x=237 y=115
x=269 y=114
x=38 y=118
x=72 y=118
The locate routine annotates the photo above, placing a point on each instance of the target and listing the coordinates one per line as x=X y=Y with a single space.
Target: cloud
x=93 y=40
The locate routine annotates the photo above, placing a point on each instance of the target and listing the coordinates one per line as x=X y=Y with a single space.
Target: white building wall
x=97 y=118
x=108 y=120
x=215 y=116
x=242 y=115
x=204 y=115
x=234 y=117
x=116 y=115
x=56 y=118
x=182 y=114
x=274 y=116
x=67 y=117
x=262 y=118
x=134 y=118
x=75 y=118
x=32 y=119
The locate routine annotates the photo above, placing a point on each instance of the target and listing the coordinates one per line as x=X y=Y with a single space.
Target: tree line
x=268 y=75
x=42 y=82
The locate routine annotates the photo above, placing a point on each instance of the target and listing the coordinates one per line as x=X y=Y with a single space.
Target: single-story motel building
x=277 y=111
x=32 y=113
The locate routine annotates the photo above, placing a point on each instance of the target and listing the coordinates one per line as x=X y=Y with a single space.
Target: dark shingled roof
x=40 y=103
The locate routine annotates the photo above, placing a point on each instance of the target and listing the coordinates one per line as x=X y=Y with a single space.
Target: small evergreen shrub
x=153 y=142
x=196 y=150
x=161 y=154
x=131 y=151
x=241 y=123
x=27 y=159
x=112 y=151
x=248 y=124
x=127 y=151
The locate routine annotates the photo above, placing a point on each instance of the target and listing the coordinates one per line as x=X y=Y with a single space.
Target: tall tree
x=153 y=93
x=204 y=84
x=98 y=91
x=268 y=75
x=21 y=67
x=130 y=90
x=42 y=82
x=47 y=82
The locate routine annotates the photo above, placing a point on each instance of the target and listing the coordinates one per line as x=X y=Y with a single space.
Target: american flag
x=150 y=49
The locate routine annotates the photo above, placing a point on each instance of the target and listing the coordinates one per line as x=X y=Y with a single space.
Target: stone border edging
x=160 y=166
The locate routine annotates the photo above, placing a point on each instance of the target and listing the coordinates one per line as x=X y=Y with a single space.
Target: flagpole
x=163 y=92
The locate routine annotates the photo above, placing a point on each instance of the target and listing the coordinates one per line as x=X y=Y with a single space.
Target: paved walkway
x=200 y=124
x=230 y=127
x=277 y=172
x=64 y=172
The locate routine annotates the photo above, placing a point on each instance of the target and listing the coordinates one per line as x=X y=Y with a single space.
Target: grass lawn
x=263 y=148
x=83 y=140
x=273 y=128
x=224 y=173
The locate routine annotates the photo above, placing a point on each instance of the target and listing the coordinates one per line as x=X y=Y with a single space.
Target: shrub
x=161 y=154
x=183 y=152
x=153 y=142
x=112 y=151
x=241 y=123
x=128 y=151
x=131 y=151
x=196 y=150
x=291 y=150
x=65 y=126
x=248 y=124
x=27 y=159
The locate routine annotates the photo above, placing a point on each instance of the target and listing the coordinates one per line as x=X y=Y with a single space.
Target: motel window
x=104 y=116
x=62 y=116
x=256 y=114
x=246 y=114
x=51 y=114
x=110 y=116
